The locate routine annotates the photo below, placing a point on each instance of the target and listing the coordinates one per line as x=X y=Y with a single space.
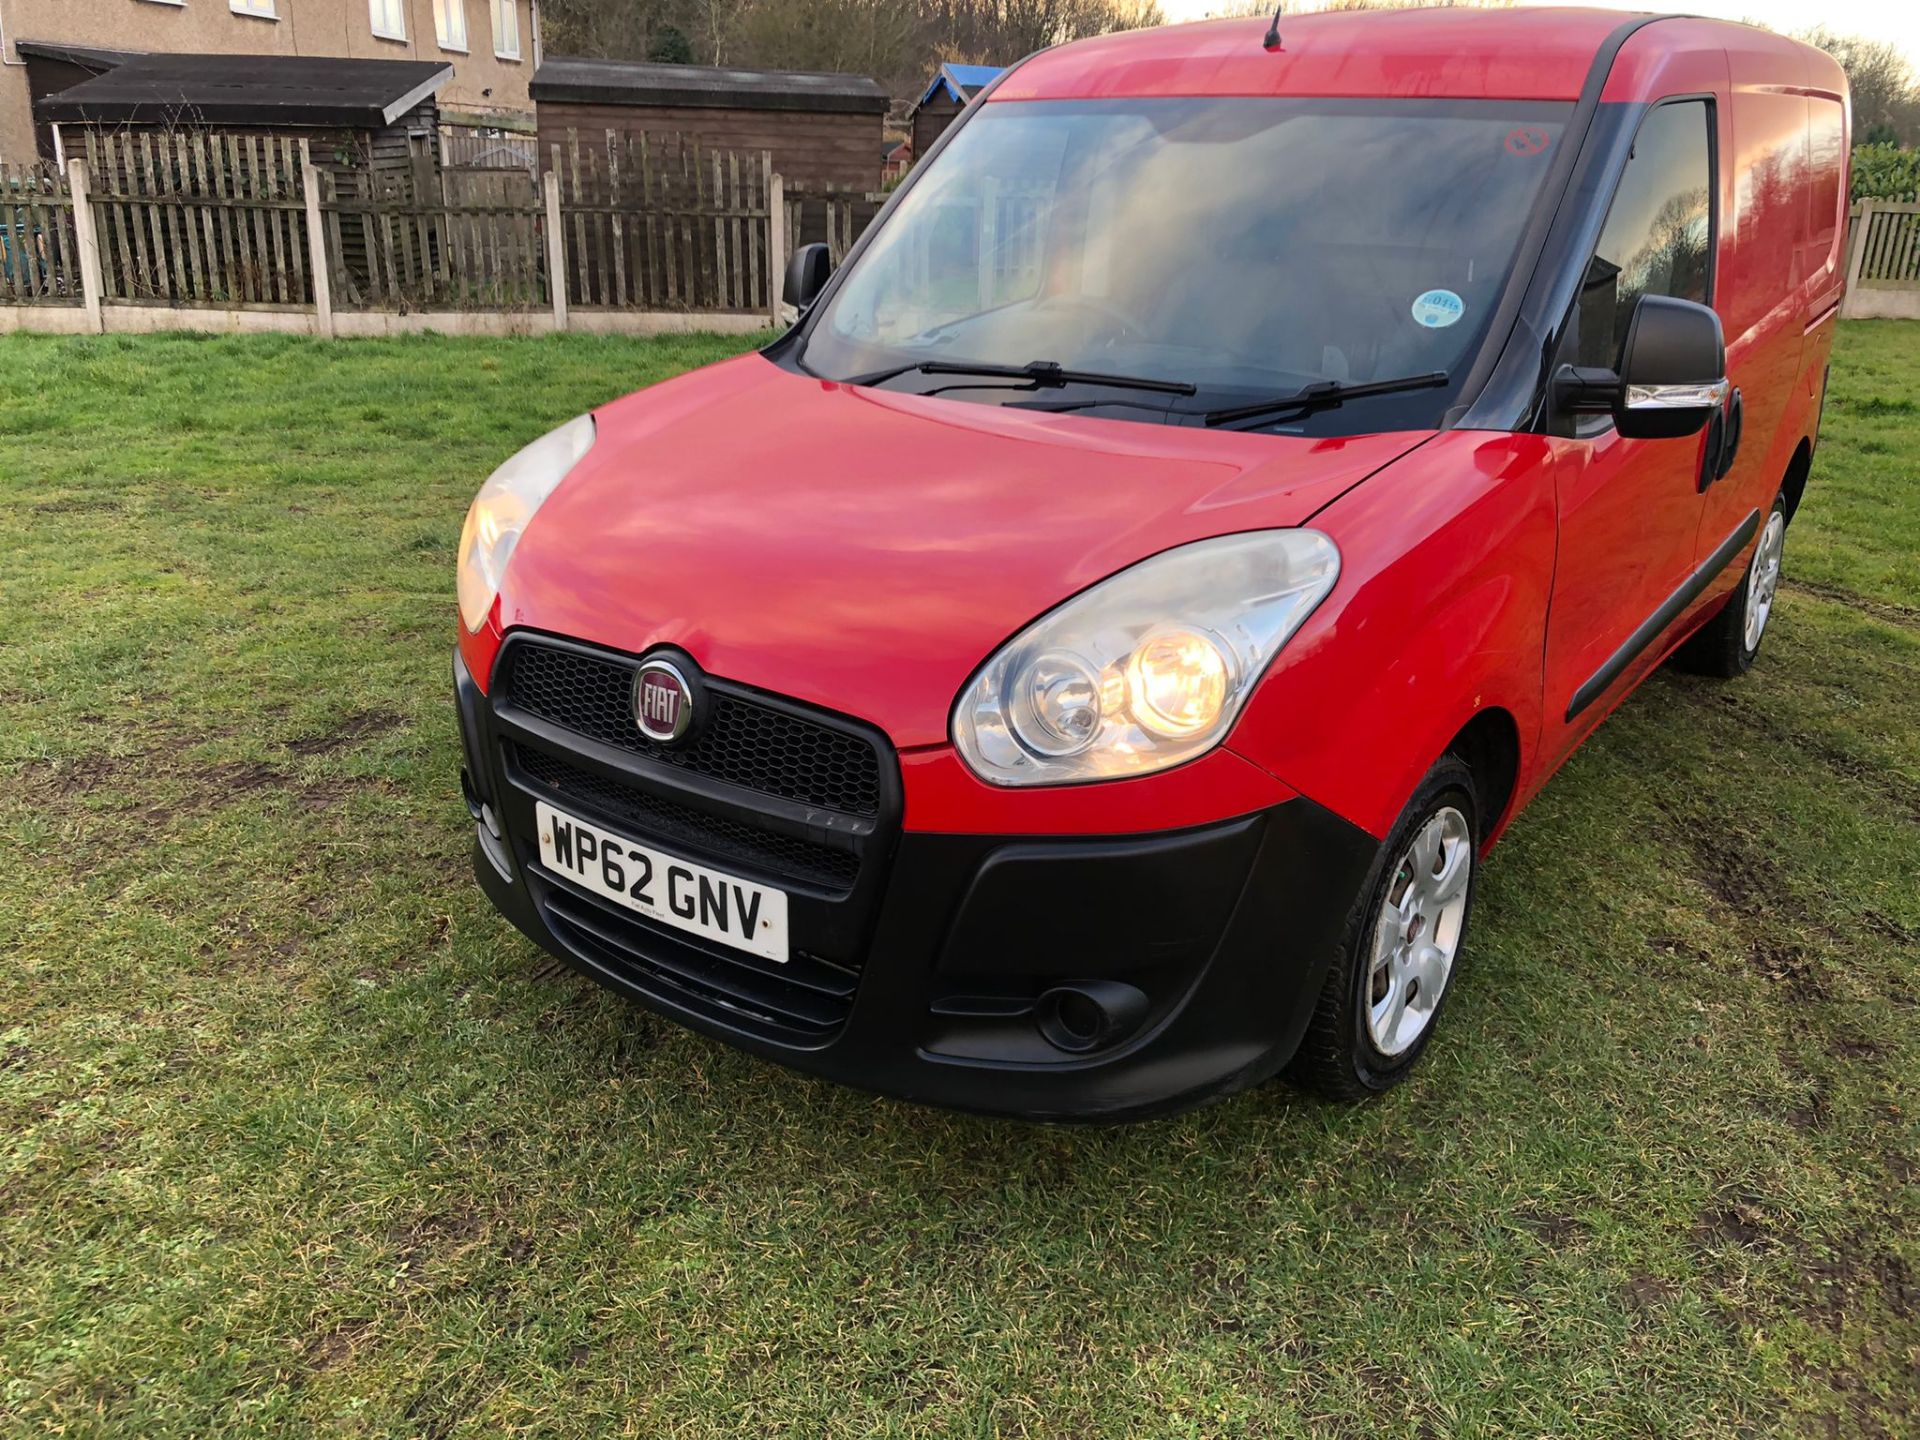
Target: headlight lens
x=504 y=506
x=1148 y=668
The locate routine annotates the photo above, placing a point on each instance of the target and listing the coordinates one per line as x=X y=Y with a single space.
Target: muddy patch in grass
x=1646 y=1292
x=1741 y=1223
x=351 y=731
x=335 y=1345
x=1891 y=611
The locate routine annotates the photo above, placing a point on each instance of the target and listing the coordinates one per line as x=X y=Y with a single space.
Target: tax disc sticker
x=1438 y=309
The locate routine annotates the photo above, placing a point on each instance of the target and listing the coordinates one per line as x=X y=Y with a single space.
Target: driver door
x=1630 y=510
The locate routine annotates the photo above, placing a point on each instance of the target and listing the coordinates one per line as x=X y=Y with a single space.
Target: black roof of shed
x=89 y=57
x=622 y=82
x=249 y=90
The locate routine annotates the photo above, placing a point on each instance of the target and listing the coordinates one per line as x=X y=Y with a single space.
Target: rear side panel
x=1781 y=268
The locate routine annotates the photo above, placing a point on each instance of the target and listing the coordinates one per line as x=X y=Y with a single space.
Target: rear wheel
x=1398 y=953
x=1727 y=644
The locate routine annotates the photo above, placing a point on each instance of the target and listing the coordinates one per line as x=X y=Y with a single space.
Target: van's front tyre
x=1726 y=645
x=1400 y=946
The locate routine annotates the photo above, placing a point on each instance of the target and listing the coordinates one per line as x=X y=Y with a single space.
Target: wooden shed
x=360 y=117
x=945 y=97
x=52 y=68
x=213 y=131
x=822 y=129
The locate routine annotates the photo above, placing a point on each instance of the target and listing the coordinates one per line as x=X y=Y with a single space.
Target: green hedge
x=1885 y=172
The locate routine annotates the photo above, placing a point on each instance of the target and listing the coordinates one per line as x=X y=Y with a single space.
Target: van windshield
x=1246 y=246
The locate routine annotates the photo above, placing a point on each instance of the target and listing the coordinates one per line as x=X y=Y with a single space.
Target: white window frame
x=378 y=10
x=258 y=9
x=509 y=11
x=176 y=4
x=443 y=13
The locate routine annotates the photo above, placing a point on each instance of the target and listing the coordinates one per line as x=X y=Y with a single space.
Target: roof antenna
x=1272 y=42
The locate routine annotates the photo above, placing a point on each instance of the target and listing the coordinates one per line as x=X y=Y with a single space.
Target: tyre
x=1400 y=947
x=1726 y=645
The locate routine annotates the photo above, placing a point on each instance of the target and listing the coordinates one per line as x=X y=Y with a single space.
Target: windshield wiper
x=1326 y=392
x=1038 y=372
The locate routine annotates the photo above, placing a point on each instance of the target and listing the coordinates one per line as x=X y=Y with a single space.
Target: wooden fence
x=39 y=253
x=195 y=219
x=830 y=216
x=1889 y=240
x=489 y=152
x=665 y=224
x=1883 y=260
x=391 y=247
x=247 y=223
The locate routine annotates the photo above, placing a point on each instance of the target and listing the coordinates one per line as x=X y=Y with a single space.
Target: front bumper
x=1085 y=978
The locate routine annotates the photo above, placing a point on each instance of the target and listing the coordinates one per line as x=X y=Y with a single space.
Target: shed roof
x=961 y=82
x=248 y=90
x=88 y=57
x=624 y=82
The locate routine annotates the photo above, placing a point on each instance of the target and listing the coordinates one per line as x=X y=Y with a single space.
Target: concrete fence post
x=556 y=250
x=317 y=248
x=91 y=287
x=1856 y=254
x=776 y=245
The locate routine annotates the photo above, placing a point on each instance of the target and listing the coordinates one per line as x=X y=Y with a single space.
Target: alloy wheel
x=1763 y=580
x=1418 y=933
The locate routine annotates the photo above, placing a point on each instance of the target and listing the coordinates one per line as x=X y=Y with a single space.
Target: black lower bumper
x=1090 y=979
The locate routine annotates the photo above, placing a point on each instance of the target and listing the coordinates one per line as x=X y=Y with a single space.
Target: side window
x=1658 y=239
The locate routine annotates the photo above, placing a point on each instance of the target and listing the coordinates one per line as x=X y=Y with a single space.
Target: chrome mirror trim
x=1678 y=397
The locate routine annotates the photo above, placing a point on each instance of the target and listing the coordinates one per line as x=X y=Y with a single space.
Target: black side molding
x=1655 y=625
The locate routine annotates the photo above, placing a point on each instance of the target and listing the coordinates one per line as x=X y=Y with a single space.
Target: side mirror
x=807 y=274
x=1672 y=375
x=1673 y=370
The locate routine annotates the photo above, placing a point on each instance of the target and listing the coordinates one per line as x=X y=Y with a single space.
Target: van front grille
x=645 y=815
x=759 y=747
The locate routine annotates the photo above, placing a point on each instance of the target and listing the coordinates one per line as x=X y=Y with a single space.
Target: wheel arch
x=1489 y=743
x=1794 y=484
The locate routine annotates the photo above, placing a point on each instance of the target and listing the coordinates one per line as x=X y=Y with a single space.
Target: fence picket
x=124 y=230
x=580 y=297
x=172 y=236
x=16 y=234
x=340 y=281
x=15 y=230
x=293 y=185
x=614 y=197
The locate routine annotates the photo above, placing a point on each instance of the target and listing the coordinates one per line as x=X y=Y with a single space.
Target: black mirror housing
x=807 y=273
x=1673 y=370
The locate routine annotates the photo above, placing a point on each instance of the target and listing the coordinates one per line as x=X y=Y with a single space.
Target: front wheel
x=1726 y=645
x=1390 y=977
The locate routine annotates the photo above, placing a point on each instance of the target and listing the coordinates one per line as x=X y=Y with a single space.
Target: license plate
x=664 y=887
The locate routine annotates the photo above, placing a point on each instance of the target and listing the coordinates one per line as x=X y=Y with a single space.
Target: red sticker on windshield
x=1527 y=140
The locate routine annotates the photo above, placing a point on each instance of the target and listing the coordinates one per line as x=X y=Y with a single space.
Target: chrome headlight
x=504 y=506
x=1148 y=668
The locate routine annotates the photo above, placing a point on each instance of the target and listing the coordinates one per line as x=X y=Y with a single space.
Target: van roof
x=1536 y=54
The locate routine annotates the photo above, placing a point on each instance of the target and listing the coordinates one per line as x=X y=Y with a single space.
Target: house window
x=506 y=29
x=389 y=18
x=263 y=8
x=450 y=23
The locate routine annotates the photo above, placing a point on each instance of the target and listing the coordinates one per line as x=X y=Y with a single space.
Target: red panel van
x=1081 y=667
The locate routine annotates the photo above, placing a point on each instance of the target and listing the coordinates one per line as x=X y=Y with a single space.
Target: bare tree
x=896 y=41
x=1886 y=102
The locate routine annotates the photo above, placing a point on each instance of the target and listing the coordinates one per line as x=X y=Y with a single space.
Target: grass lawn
x=295 y=1135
